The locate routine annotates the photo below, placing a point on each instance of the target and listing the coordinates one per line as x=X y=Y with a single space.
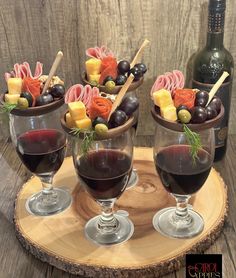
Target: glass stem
x=48 y=196
x=107 y=223
x=181 y=215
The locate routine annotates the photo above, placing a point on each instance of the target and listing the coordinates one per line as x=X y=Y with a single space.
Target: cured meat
x=82 y=93
x=23 y=70
x=38 y=70
x=99 y=52
x=100 y=107
x=169 y=81
x=74 y=93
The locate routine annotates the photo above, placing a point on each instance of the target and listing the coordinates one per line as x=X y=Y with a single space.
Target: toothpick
x=129 y=80
x=217 y=85
x=53 y=70
x=121 y=94
x=138 y=55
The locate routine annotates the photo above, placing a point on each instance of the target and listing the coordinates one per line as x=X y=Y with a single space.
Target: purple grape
x=129 y=105
x=142 y=67
x=202 y=94
x=217 y=102
x=57 y=91
x=117 y=118
x=123 y=66
x=121 y=79
x=137 y=73
x=199 y=115
x=201 y=102
x=211 y=112
x=44 y=99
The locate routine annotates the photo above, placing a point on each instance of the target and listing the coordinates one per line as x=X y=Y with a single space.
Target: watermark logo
x=203 y=266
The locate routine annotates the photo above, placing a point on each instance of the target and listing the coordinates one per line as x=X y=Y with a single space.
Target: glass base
x=123 y=232
x=133 y=180
x=35 y=205
x=164 y=223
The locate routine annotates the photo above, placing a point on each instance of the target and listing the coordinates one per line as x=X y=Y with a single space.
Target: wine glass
x=133 y=180
x=104 y=170
x=41 y=144
x=182 y=171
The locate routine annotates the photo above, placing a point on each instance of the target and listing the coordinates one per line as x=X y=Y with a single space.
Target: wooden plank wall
x=34 y=30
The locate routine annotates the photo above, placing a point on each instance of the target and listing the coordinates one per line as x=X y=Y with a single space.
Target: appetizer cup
x=36 y=110
x=41 y=143
x=183 y=169
x=103 y=168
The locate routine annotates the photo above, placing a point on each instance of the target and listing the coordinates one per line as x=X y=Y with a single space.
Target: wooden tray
x=59 y=240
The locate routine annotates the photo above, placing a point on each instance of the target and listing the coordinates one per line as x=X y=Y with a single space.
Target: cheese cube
x=11 y=99
x=169 y=113
x=93 y=66
x=94 y=77
x=69 y=121
x=84 y=123
x=162 y=98
x=77 y=110
x=14 y=85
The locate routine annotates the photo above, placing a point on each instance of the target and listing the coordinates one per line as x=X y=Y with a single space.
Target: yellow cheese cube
x=93 y=66
x=162 y=98
x=94 y=77
x=84 y=123
x=14 y=85
x=77 y=110
x=12 y=99
x=169 y=113
x=69 y=121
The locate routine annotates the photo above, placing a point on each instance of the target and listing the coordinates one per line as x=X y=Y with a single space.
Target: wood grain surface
x=59 y=240
x=33 y=30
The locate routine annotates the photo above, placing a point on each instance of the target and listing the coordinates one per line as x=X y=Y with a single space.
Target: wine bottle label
x=224 y=93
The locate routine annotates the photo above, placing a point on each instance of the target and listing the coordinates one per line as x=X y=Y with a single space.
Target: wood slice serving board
x=59 y=240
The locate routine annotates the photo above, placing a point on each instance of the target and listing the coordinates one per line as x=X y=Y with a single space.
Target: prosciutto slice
x=82 y=93
x=23 y=70
x=99 y=52
x=169 y=81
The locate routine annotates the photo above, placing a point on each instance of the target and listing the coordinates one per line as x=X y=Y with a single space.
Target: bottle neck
x=215 y=40
x=216 y=20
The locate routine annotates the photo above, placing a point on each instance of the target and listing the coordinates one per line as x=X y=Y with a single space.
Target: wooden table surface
x=16 y=262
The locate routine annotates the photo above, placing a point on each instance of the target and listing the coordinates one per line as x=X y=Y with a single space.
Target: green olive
x=110 y=85
x=101 y=129
x=22 y=103
x=184 y=116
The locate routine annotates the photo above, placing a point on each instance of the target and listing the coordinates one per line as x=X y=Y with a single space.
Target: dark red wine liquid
x=105 y=173
x=42 y=151
x=177 y=171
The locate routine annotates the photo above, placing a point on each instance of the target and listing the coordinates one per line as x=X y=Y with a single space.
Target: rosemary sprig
x=88 y=138
x=194 y=141
x=7 y=107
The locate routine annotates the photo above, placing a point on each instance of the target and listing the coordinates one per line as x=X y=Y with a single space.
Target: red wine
x=105 y=173
x=177 y=171
x=42 y=151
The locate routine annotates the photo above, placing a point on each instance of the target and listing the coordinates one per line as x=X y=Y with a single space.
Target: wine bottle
x=209 y=64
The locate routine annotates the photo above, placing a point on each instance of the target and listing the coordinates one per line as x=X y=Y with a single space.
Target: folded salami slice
x=82 y=93
x=23 y=70
x=74 y=93
x=169 y=81
x=99 y=52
